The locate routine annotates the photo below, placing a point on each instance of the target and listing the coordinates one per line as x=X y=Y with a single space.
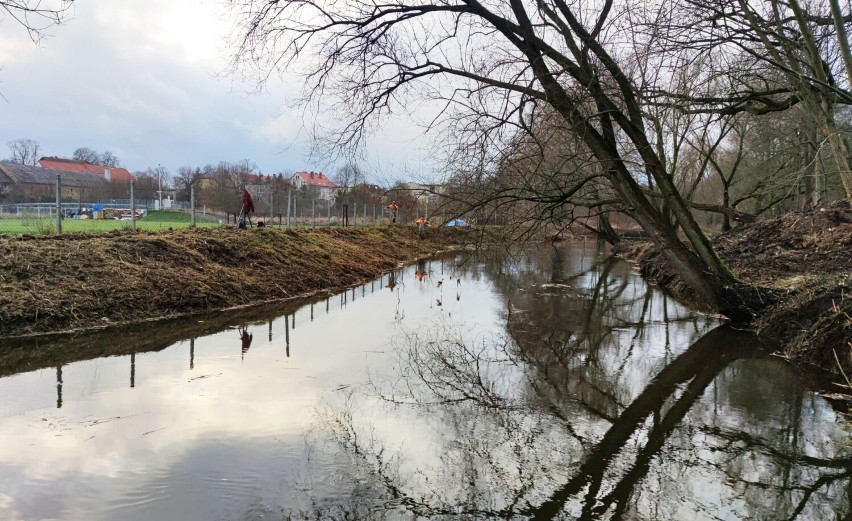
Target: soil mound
x=77 y=281
x=776 y=250
x=806 y=259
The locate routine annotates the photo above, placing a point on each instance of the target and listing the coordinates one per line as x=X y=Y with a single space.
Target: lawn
x=155 y=220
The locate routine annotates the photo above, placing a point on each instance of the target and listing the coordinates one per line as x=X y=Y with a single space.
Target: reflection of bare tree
x=509 y=455
x=573 y=415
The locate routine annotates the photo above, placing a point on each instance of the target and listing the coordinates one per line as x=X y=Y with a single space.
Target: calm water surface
x=554 y=385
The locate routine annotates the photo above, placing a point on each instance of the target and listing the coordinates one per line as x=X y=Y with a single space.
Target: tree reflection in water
x=577 y=412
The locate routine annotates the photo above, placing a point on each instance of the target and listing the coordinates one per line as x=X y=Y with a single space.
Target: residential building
x=113 y=174
x=25 y=183
x=318 y=182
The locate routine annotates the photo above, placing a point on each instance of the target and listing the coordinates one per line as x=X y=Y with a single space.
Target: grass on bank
x=154 y=221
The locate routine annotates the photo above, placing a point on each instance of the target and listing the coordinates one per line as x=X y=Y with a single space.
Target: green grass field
x=154 y=221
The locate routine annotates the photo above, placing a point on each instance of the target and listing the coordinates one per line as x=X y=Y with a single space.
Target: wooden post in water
x=132 y=370
x=287 y=334
x=59 y=387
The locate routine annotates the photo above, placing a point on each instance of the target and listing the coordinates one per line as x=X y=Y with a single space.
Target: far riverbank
x=75 y=282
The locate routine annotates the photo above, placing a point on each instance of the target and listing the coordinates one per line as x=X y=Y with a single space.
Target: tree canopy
x=615 y=75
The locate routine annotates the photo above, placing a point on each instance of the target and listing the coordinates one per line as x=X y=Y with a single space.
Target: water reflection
x=560 y=387
x=587 y=409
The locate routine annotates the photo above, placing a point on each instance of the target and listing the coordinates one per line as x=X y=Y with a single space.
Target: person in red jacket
x=248 y=207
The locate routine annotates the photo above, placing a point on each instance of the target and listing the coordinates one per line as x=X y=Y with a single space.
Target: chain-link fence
x=81 y=209
x=72 y=209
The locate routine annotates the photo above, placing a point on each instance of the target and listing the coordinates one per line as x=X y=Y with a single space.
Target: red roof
x=116 y=174
x=317 y=179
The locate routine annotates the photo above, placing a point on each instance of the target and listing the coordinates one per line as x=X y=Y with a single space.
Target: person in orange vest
x=392 y=208
x=422 y=223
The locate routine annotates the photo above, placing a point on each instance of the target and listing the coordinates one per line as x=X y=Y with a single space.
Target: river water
x=555 y=384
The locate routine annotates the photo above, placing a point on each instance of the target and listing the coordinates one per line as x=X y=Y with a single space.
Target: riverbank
x=73 y=282
x=806 y=259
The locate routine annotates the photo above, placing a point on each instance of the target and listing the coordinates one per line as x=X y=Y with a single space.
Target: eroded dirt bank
x=806 y=258
x=75 y=282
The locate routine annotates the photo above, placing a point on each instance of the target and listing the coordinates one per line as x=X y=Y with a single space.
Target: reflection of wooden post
x=191 y=354
x=312 y=311
x=59 y=387
x=287 y=334
x=270 y=330
x=132 y=370
x=327 y=300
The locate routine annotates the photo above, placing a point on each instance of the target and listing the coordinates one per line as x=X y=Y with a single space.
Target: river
x=554 y=384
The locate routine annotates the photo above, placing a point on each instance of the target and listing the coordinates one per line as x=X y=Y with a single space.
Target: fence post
x=58 y=204
x=133 y=204
x=192 y=205
x=328 y=213
x=355 y=213
x=313 y=213
x=270 y=206
x=288 y=206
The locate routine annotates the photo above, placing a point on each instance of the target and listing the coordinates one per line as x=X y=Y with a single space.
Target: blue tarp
x=457 y=222
x=97 y=207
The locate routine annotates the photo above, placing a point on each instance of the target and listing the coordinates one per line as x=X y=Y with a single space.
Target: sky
x=146 y=80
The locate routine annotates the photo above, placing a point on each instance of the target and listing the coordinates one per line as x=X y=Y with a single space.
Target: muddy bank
x=806 y=259
x=75 y=282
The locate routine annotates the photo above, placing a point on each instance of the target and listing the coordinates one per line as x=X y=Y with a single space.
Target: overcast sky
x=144 y=79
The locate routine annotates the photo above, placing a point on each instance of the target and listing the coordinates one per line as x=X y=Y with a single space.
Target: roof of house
x=317 y=179
x=117 y=174
x=36 y=175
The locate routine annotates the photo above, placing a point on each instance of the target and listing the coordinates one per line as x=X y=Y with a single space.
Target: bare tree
x=348 y=177
x=186 y=175
x=108 y=159
x=86 y=154
x=36 y=16
x=773 y=55
x=25 y=151
x=490 y=63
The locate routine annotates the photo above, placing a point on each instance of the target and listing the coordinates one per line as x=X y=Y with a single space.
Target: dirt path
x=75 y=282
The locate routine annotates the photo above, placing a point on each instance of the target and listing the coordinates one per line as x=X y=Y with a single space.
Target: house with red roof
x=113 y=174
x=324 y=187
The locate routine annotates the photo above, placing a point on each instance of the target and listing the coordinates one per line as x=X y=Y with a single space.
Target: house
x=25 y=183
x=426 y=194
x=317 y=182
x=112 y=174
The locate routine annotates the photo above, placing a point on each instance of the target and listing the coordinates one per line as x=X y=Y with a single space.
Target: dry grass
x=77 y=282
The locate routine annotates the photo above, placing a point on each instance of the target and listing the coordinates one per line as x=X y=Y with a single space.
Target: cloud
x=142 y=79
